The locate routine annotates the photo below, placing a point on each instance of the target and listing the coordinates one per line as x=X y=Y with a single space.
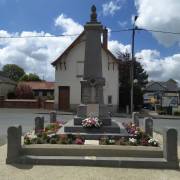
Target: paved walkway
x=27 y=172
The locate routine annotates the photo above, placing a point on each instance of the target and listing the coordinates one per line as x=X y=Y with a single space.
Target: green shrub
x=27 y=141
x=50 y=97
x=39 y=140
x=177 y=113
x=53 y=141
x=11 y=95
x=162 y=113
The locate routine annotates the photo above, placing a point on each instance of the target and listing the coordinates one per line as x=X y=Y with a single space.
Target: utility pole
x=132 y=65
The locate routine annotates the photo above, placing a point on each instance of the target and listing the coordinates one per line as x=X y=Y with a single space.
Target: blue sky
x=34 y=17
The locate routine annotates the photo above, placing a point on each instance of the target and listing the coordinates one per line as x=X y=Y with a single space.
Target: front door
x=64 y=97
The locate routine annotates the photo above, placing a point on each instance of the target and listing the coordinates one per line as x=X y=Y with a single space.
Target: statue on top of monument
x=93 y=14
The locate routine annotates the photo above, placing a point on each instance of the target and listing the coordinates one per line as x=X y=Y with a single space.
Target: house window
x=40 y=93
x=109 y=99
x=36 y=93
x=44 y=93
x=79 y=68
x=62 y=66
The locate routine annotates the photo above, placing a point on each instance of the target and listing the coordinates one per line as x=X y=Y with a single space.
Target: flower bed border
x=92 y=150
x=168 y=161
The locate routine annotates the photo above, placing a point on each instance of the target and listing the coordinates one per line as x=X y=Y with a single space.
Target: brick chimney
x=105 y=38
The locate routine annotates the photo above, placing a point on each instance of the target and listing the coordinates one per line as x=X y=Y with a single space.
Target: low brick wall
x=21 y=103
x=1 y=102
x=49 y=104
x=27 y=103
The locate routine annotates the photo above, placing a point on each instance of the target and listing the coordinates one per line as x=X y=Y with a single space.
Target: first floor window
x=80 y=68
x=109 y=99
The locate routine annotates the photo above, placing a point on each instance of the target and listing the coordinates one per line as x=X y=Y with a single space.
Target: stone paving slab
x=27 y=172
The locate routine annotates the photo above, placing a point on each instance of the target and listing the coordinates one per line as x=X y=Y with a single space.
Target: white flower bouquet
x=91 y=122
x=153 y=142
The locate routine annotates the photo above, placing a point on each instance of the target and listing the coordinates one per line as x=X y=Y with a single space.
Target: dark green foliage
x=25 y=77
x=177 y=113
x=63 y=139
x=125 y=84
x=30 y=77
x=39 y=141
x=13 y=71
x=11 y=95
x=27 y=141
x=53 y=141
x=105 y=140
x=16 y=73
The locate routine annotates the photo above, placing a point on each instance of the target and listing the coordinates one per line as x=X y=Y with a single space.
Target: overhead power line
x=150 y=30
x=38 y=36
x=159 y=31
x=120 y=30
x=71 y=35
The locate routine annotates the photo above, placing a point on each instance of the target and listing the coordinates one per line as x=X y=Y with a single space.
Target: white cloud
x=116 y=47
x=160 y=15
x=122 y=23
x=160 y=69
x=111 y=7
x=36 y=54
x=68 y=25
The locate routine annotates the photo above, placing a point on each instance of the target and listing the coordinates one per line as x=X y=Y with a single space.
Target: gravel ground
x=28 y=172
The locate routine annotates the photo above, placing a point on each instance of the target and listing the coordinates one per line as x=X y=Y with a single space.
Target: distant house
x=69 y=69
x=6 y=85
x=41 y=88
x=165 y=94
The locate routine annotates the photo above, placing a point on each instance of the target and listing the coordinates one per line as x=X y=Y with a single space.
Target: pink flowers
x=131 y=128
x=91 y=122
x=139 y=137
x=79 y=141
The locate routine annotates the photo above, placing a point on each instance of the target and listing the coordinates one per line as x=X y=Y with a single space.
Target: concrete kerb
x=148 y=126
x=147 y=123
x=13 y=144
x=52 y=116
x=39 y=124
x=135 y=118
x=170 y=146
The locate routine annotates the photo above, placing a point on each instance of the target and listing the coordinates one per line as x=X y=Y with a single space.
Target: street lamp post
x=132 y=65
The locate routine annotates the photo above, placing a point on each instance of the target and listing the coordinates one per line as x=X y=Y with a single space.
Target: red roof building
x=41 y=88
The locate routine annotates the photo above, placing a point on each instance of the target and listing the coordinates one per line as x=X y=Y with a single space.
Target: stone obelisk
x=93 y=80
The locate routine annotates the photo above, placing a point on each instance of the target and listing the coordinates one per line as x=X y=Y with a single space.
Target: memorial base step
x=127 y=162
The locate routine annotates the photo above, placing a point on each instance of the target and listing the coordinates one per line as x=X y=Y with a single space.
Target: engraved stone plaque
x=93 y=109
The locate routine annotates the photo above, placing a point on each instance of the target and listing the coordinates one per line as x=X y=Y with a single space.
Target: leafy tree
x=25 y=77
x=125 y=84
x=34 y=77
x=24 y=91
x=30 y=77
x=13 y=71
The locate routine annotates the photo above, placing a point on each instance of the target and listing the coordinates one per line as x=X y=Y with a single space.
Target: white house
x=69 y=72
